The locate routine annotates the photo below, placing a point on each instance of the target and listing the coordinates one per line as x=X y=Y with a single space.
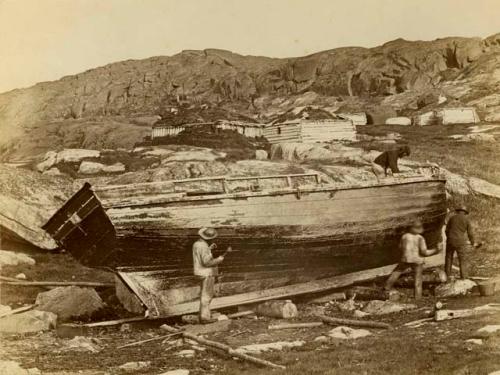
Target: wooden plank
x=58 y=283
x=294 y=289
x=18 y=310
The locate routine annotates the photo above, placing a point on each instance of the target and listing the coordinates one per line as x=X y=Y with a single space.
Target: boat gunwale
x=251 y=194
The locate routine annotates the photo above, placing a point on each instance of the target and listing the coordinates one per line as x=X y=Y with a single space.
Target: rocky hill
x=114 y=105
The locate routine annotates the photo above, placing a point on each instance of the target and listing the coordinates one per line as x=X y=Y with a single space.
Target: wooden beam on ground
x=57 y=283
x=355 y=323
x=241 y=314
x=149 y=340
x=295 y=325
x=314 y=286
x=227 y=349
x=17 y=311
x=115 y=322
x=441 y=315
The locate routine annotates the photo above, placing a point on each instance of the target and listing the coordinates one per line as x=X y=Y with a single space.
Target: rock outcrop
x=70 y=302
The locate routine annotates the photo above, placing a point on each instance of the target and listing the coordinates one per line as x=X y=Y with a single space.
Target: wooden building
x=247 y=129
x=447 y=116
x=310 y=131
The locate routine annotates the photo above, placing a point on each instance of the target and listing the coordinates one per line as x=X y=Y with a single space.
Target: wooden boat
x=284 y=229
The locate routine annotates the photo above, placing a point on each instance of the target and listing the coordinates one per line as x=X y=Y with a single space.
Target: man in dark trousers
x=388 y=160
x=459 y=232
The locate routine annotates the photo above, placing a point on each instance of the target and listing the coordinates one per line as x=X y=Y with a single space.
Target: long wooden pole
x=57 y=283
x=355 y=323
x=225 y=348
x=149 y=340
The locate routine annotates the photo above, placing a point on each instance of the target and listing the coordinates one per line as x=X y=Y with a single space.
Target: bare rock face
x=90 y=167
x=27 y=322
x=27 y=200
x=70 y=302
x=76 y=155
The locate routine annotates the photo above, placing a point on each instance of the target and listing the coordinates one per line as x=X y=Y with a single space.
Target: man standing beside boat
x=413 y=252
x=388 y=160
x=459 y=233
x=206 y=267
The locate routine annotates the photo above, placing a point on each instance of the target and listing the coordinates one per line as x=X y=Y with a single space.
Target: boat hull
x=345 y=229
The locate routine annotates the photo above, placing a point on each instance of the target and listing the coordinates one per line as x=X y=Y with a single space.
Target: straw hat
x=462 y=208
x=207 y=233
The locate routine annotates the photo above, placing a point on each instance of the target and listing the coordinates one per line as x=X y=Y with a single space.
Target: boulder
x=70 y=302
x=283 y=309
x=11 y=258
x=261 y=155
x=179 y=371
x=49 y=160
x=346 y=333
x=82 y=344
x=90 y=167
x=75 y=155
x=377 y=307
x=14 y=368
x=398 y=121
x=194 y=155
x=474 y=137
x=28 y=322
x=459 y=287
x=135 y=366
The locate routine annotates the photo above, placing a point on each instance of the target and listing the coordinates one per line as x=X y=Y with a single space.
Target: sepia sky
x=46 y=39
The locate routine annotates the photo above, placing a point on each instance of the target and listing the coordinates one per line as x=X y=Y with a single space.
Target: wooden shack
x=310 y=131
x=447 y=116
x=251 y=130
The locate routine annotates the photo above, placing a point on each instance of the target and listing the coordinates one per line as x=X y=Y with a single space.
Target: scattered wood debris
x=227 y=349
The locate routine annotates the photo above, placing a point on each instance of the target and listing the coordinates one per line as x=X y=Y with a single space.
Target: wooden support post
x=418 y=280
x=355 y=323
x=227 y=349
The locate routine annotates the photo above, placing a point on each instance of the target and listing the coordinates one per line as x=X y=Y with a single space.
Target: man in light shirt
x=413 y=252
x=205 y=266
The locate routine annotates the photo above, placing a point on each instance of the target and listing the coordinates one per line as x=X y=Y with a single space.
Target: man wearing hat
x=458 y=234
x=205 y=266
x=413 y=252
